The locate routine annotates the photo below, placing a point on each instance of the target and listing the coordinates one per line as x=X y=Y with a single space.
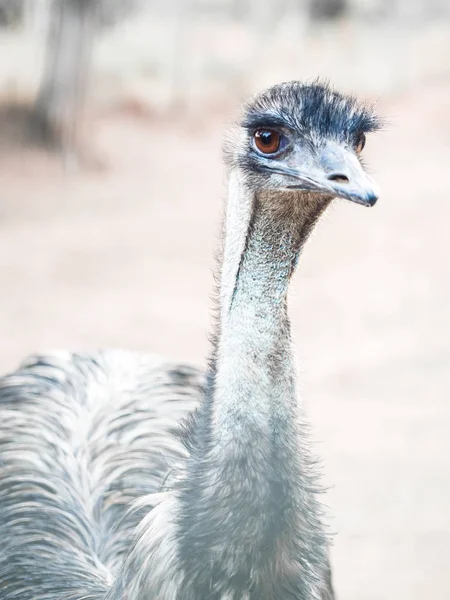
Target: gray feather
x=81 y=438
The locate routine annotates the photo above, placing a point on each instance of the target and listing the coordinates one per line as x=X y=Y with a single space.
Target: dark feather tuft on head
x=312 y=109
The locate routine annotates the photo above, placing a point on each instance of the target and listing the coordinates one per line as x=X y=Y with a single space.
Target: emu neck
x=254 y=379
x=248 y=485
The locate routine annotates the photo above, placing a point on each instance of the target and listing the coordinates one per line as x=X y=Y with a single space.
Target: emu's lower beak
x=336 y=170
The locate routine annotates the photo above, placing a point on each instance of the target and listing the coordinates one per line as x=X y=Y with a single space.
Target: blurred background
x=111 y=187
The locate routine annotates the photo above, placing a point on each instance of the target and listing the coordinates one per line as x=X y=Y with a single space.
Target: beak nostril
x=338 y=178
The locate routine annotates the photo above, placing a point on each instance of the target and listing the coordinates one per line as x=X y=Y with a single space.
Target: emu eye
x=267 y=141
x=360 y=143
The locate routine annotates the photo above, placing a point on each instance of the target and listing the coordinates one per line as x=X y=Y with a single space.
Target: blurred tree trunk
x=10 y=12
x=60 y=102
x=324 y=10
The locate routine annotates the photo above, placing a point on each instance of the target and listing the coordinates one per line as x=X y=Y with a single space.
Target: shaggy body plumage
x=126 y=477
x=81 y=439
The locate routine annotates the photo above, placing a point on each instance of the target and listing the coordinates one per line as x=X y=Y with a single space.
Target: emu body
x=81 y=439
x=127 y=477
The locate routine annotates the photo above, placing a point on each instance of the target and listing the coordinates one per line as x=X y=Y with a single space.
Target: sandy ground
x=121 y=256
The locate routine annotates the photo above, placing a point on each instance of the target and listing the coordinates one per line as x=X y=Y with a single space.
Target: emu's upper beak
x=335 y=169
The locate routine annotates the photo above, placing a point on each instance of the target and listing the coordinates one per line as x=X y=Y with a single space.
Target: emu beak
x=336 y=170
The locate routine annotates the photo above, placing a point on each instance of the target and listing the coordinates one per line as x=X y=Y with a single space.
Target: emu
x=123 y=476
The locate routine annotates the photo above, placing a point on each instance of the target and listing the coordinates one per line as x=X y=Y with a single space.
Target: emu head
x=304 y=137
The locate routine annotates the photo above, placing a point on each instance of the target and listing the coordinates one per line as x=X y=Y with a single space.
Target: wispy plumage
x=81 y=438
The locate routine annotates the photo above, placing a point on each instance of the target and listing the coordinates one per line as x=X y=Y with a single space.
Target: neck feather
x=254 y=373
x=248 y=498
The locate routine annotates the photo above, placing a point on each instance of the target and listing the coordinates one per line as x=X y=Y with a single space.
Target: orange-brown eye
x=267 y=140
x=360 y=143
